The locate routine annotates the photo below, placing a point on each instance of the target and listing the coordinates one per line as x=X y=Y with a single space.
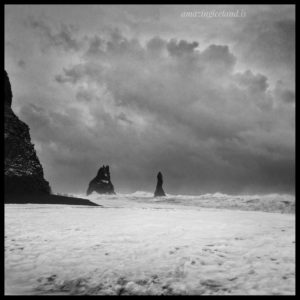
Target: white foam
x=283 y=203
x=137 y=248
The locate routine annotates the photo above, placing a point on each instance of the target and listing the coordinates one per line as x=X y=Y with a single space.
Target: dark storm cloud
x=180 y=48
x=63 y=38
x=95 y=46
x=256 y=83
x=219 y=54
x=84 y=95
x=269 y=45
x=171 y=104
x=210 y=127
x=71 y=75
x=274 y=42
x=284 y=94
x=78 y=72
x=156 y=45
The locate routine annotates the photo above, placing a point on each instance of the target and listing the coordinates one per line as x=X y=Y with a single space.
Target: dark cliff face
x=7 y=90
x=22 y=169
x=159 y=189
x=101 y=183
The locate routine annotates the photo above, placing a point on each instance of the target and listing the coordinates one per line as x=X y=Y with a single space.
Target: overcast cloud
x=208 y=102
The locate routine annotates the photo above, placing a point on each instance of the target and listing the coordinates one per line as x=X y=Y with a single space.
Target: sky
x=203 y=93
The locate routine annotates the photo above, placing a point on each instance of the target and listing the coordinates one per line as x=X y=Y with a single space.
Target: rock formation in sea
x=159 y=189
x=101 y=183
x=22 y=168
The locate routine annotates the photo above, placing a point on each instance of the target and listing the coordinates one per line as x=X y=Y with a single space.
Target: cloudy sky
x=208 y=101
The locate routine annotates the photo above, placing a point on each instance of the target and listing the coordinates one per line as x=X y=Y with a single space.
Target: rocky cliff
x=22 y=169
x=101 y=183
x=159 y=189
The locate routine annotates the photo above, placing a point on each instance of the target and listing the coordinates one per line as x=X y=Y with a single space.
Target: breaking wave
x=283 y=203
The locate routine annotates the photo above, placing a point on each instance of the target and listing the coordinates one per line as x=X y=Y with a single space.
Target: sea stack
x=101 y=183
x=159 y=189
x=22 y=168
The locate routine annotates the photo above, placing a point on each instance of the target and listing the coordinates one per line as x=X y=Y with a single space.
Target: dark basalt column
x=159 y=189
x=101 y=183
x=22 y=169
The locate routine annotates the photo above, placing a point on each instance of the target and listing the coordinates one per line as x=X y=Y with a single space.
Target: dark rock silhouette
x=159 y=189
x=47 y=199
x=101 y=183
x=24 y=176
x=23 y=171
x=7 y=90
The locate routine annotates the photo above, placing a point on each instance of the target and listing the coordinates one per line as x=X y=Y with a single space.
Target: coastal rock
x=159 y=189
x=101 y=183
x=7 y=90
x=22 y=168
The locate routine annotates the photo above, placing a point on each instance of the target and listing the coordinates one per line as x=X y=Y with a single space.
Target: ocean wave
x=283 y=203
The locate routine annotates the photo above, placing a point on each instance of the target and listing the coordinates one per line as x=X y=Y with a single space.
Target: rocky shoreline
x=46 y=199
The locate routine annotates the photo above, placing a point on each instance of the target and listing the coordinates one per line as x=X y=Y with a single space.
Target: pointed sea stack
x=101 y=183
x=159 y=189
x=22 y=168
